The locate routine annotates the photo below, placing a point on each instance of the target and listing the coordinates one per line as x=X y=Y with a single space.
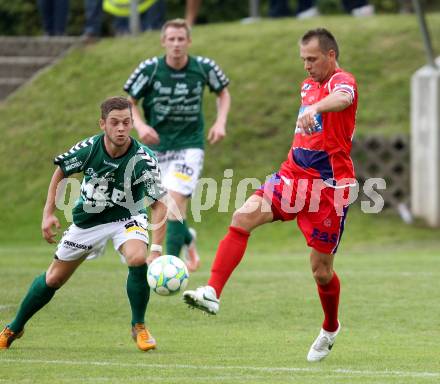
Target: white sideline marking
x=347 y=372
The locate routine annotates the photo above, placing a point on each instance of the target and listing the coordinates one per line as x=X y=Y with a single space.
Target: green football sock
x=188 y=236
x=38 y=295
x=177 y=235
x=138 y=292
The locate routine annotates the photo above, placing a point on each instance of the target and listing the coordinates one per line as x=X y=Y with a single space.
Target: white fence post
x=425 y=135
x=425 y=144
x=254 y=11
x=134 y=18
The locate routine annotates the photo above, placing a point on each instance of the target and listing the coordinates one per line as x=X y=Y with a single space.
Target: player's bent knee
x=322 y=276
x=134 y=252
x=242 y=220
x=136 y=260
x=54 y=281
x=251 y=214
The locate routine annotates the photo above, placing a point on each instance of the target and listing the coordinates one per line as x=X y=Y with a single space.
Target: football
x=167 y=275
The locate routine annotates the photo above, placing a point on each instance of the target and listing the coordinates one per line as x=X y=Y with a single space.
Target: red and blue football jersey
x=325 y=153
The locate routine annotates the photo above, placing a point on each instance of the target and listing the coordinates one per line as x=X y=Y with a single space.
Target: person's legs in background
x=60 y=16
x=154 y=17
x=121 y=26
x=45 y=7
x=54 y=15
x=279 y=8
x=93 y=18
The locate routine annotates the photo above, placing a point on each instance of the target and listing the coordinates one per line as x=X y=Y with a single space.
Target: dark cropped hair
x=326 y=40
x=116 y=102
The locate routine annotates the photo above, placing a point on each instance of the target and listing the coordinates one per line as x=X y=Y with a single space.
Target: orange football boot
x=143 y=338
x=7 y=337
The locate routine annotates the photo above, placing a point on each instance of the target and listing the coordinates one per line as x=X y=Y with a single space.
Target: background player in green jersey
x=171 y=89
x=119 y=174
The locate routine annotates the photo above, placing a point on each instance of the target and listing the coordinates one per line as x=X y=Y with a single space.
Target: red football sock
x=329 y=295
x=229 y=254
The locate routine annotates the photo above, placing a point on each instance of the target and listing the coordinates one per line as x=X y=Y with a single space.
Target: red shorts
x=319 y=209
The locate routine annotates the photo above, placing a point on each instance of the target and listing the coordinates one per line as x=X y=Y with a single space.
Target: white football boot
x=323 y=344
x=203 y=298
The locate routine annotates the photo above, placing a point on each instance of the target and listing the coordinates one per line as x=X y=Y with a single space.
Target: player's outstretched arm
x=147 y=134
x=49 y=218
x=334 y=102
x=158 y=221
x=218 y=130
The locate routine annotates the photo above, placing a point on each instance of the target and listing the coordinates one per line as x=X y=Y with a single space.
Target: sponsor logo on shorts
x=327 y=223
x=139 y=230
x=325 y=237
x=73 y=245
x=134 y=225
x=184 y=169
x=137 y=227
x=183 y=172
x=181 y=176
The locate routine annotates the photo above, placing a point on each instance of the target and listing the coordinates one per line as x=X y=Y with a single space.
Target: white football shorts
x=78 y=242
x=181 y=169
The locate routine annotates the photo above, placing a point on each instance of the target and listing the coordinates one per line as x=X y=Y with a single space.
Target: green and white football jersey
x=112 y=188
x=172 y=99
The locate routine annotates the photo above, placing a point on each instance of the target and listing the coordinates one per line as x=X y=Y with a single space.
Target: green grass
x=270 y=314
x=61 y=106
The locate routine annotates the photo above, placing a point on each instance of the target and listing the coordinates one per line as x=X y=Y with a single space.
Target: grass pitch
x=269 y=316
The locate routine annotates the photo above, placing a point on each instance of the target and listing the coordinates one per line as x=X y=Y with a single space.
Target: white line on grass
x=347 y=372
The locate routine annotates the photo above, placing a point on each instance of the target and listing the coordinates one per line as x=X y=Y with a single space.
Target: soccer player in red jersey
x=312 y=186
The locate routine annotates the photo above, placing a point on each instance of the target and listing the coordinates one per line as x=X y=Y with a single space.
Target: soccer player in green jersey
x=171 y=89
x=119 y=175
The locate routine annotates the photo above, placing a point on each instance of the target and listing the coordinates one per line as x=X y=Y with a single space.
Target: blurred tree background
x=22 y=18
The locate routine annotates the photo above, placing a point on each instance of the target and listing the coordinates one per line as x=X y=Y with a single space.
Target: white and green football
x=167 y=275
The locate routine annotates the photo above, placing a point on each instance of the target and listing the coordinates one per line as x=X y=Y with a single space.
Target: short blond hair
x=176 y=23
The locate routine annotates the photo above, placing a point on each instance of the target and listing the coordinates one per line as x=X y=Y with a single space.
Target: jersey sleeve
x=343 y=82
x=150 y=175
x=141 y=78
x=216 y=78
x=74 y=159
